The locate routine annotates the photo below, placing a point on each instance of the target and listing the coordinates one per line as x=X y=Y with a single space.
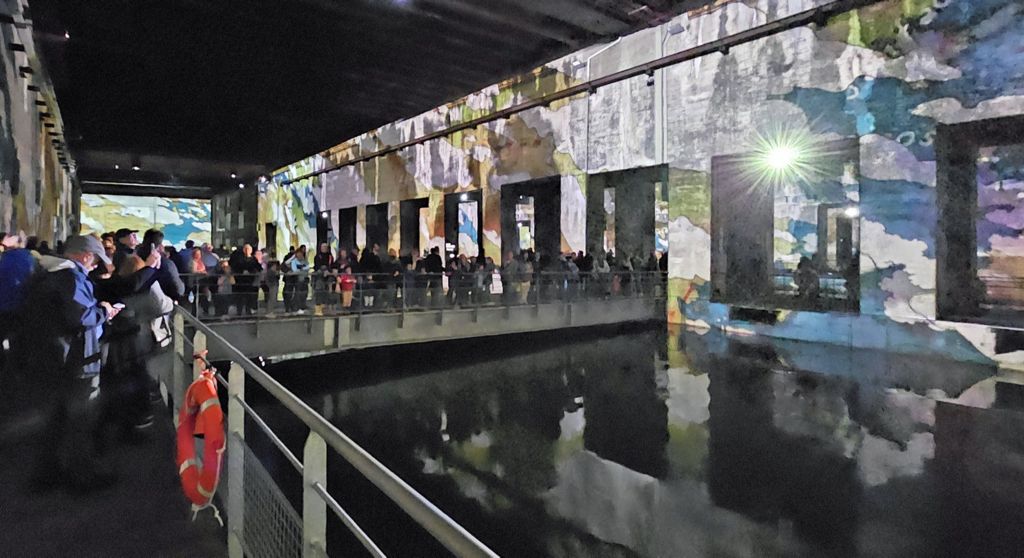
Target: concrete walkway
x=144 y=514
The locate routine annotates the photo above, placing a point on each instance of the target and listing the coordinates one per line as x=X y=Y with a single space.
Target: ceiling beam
x=577 y=14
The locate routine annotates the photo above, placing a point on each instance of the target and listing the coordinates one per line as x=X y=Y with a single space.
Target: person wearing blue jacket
x=68 y=325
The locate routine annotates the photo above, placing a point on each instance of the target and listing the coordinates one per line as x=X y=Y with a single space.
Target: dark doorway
x=742 y=234
x=377 y=226
x=980 y=179
x=270 y=232
x=347 y=228
x=531 y=214
x=463 y=218
x=409 y=234
x=621 y=211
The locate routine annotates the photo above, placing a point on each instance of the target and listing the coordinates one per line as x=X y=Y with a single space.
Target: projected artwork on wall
x=1000 y=223
x=424 y=229
x=468 y=228
x=180 y=219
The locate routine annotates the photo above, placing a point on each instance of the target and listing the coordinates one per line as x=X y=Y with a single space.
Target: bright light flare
x=852 y=212
x=784 y=156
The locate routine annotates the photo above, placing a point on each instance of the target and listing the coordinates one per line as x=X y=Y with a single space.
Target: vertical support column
x=236 y=460
x=199 y=345
x=178 y=366
x=314 y=509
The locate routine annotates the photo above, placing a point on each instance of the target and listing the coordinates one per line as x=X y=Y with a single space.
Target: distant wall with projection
x=855 y=180
x=180 y=219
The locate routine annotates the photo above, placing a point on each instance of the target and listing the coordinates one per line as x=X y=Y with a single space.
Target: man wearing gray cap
x=69 y=326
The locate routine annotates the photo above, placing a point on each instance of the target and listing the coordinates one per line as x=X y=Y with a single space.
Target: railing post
x=198 y=346
x=178 y=366
x=236 y=460
x=314 y=509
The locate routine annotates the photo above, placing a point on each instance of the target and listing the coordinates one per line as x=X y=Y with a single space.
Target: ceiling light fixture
x=233 y=175
x=241 y=186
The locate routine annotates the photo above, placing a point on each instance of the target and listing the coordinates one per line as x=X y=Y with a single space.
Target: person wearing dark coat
x=246 y=270
x=434 y=268
x=167 y=275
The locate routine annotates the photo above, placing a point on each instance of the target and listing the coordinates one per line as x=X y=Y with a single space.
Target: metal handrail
x=443 y=528
x=270 y=434
x=345 y=518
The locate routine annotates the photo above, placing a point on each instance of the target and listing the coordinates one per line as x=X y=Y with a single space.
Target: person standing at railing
x=414 y=284
x=370 y=271
x=434 y=268
x=222 y=287
x=509 y=278
x=525 y=277
x=298 y=266
x=392 y=279
x=210 y=260
x=197 y=282
x=273 y=282
x=323 y=283
x=346 y=285
x=601 y=277
x=247 y=272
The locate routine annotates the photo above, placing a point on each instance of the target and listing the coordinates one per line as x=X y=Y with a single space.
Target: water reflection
x=694 y=445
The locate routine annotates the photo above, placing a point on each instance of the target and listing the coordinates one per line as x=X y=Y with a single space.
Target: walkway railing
x=261 y=520
x=225 y=295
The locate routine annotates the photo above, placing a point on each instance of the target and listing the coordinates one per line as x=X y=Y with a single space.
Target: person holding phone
x=124 y=384
x=167 y=274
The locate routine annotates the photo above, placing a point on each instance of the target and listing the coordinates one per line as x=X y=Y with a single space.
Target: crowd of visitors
x=85 y=325
x=84 y=330
x=371 y=280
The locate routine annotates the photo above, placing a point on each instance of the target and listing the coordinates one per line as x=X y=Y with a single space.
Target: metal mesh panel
x=272 y=527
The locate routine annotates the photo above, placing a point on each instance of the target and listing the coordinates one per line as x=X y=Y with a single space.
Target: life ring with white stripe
x=200 y=414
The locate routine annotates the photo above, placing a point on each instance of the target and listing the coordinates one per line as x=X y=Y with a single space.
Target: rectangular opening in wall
x=980 y=248
x=377 y=225
x=608 y=240
x=786 y=228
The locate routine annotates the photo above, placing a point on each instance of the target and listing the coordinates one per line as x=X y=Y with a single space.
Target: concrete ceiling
x=202 y=88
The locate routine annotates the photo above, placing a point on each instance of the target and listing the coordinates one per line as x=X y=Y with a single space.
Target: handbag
x=160 y=326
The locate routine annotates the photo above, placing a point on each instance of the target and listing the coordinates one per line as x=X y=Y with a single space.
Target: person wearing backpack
x=66 y=322
x=16 y=269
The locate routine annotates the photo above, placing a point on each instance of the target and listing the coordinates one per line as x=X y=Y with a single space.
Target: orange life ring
x=200 y=414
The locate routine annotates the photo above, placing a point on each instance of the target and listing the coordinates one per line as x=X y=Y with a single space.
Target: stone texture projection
x=889 y=77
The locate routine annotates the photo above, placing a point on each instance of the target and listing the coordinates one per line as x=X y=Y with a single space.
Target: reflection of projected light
x=852 y=212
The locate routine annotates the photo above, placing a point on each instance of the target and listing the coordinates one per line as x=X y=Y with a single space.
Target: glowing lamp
x=852 y=212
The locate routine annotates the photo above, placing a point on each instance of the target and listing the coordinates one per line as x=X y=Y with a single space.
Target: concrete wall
x=234 y=218
x=290 y=338
x=885 y=77
x=37 y=194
